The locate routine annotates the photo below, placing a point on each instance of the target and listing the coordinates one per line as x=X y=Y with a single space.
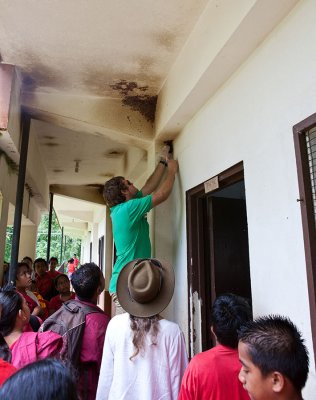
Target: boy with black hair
x=82 y=324
x=213 y=374
x=52 y=264
x=88 y=283
x=274 y=359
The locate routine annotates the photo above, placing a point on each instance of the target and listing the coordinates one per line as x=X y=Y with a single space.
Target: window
x=305 y=149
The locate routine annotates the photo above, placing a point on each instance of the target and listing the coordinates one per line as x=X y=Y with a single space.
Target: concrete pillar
x=108 y=247
x=6 y=81
x=4 y=208
x=95 y=243
x=28 y=239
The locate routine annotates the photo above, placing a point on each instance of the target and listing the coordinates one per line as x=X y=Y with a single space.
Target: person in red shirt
x=53 y=262
x=76 y=261
x=43 y=281
x=62 y=285
x=88 y=283
x=17 y=345
x=6 y=370
x=213 y=374
x=70 y=267
x=23 y=284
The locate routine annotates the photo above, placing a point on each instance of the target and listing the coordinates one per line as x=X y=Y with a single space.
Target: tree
x=71 y=245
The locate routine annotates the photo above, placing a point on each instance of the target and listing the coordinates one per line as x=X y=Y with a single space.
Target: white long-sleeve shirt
x=155 y=375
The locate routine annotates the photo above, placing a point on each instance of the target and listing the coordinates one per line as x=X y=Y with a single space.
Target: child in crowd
x=62 y=285
x=144 y=355
x=213 y=374
x=53 y=262
x=274 y=359
x=23 y=284
x=43 y=280
x=27 y=260
x=42 y=380
x=19 y=347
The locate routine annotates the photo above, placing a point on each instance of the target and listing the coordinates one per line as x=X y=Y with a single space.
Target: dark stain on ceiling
x=144 y=104
x=134 y=98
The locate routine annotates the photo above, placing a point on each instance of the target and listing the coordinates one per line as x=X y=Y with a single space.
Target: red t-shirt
x=53 y=274
x=45 y=285
x=71 y=268
x=30 y=302
x=6 y=370
x=56 y=302
x=213 y=375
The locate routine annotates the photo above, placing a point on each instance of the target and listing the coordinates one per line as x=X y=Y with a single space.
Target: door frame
x=197 y=251
x=307 y=213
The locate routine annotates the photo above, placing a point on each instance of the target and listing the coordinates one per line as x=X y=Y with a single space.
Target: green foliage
x=8 y=243
x=71 y=245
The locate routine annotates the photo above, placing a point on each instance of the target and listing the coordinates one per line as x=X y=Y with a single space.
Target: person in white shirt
x=144 y=355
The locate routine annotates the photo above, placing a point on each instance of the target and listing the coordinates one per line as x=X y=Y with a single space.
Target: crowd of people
x=56 y=343
x=138 y=354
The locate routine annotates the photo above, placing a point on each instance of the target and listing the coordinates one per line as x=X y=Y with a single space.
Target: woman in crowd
x=43 y=280
x=42 y=380
x=19 y=347
x=23 y=285
x=144 y=355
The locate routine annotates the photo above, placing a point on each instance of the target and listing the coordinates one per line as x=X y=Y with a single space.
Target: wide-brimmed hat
x=145 y=287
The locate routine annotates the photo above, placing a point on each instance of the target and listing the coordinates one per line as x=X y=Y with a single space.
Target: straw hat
x=145 y=287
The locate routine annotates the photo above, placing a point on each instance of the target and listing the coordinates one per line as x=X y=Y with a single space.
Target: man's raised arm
x=165 y=189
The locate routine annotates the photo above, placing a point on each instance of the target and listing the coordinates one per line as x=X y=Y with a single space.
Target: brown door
x=230 y=259
x=218 y=254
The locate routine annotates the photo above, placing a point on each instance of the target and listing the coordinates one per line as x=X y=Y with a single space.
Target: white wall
x=250 y=119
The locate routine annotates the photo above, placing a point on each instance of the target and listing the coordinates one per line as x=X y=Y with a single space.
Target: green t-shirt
x=130 y=232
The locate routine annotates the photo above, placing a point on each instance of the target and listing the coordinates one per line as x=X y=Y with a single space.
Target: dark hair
x=47 y=379
x=10 y=304
x=86 y=280
x=58 y=277
x=275 y=344
x=40 y=260
x=71 y=260
x=20 y=265
x=112 y=191
x=53 y=258
x=27 y=258
x=228 y=314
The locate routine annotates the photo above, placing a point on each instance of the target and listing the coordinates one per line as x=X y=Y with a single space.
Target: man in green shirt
x=129 y=207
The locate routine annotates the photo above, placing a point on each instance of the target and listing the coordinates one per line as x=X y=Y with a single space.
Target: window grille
x=311 y=152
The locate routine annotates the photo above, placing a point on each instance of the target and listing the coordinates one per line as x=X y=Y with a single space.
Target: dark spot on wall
x=58 y=170
x=144 y=104
x=50 y=144
x=166 y=40
x=49 y=137
x=28 y=83
x=106 y=174
x=113 y=154
x=38 y=74
x=123 y=86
